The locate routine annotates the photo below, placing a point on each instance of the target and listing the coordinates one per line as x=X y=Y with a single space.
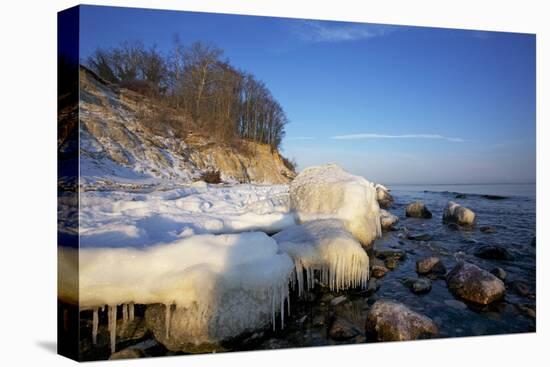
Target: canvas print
x=235 y=183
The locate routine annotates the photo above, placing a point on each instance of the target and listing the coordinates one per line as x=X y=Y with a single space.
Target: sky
x=395 y=104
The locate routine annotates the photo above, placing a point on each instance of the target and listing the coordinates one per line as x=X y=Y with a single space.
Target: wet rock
x=390 y=263
x=528 y=310
x=383 y=196
x=417 y=210
x=378 y=271
x=127 y=354
x=469 y=282
x=388 y=220
x=342 y=329
x=274 y=343
x=494 y=197
x=431 y=264
x=421 y=285
x=318 y=320
x=493 y=252
x=389 y=320
x=336 y=301
x=487 y=229
x=460 y=196
x=385 y=254
x=499 y=273
x=455 y=213
x=372 y=286
x=419 y=237
x=453 y=226
x=521 y=288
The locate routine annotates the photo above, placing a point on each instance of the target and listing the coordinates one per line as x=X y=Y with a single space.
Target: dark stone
x=521 y=288
x=499 y=273
x=417 y=210
x=378 y=271
x=342 y=329
x=419 y=237
x=372 y=286
x=460 y=196
x=487 y=229
x=528 y=310
x=430 y=265
x=391 y=263
x=493 y=252
x=389 y=320
x=469 y=282
x=127 y=354
x=421 y=285
x=453 y=226
x=384 y=254
x=494 y=197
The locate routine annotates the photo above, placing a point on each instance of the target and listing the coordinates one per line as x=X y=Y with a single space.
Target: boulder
x=388 y=220
x=417 y=210
x=389 y=320
x=431 y=264
x=421 y=285
x=328 y=191
x=378 y=271
x=342 y=329
x=455 y=213
x=385 y=200
x=471 y=283
x=493 y=252
x=127 y=353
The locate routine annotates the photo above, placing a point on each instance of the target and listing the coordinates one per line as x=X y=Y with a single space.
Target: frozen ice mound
x=328 y=191
x=214 y=286
x=325 y=247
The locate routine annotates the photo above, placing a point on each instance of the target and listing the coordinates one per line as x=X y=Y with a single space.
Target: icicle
x=111 y=312
x=124 y=313
x=131 y=311
x=273 y=307
x=167 y=319
x=282 y=308
x=95 y=323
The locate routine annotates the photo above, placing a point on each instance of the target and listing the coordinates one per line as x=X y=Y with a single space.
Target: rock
x=453 y=226
x=329 y=192
x=430 y=265
x=421 y=285
x=499 y=273
x=521 y=288
x=384 y=254
x=419 y=237
x=342 y=329
x=460 y=196
x=387 y=220
x=378 y=271
x=390 y=263
x=494 y=197
x=455 y=304
x=487 y=229
x=417 y=210
x=372 y=286
x=389 y=320
x=336 y=301
x=127 y=354
x=385 y=200
x=469 y=282
x=455 y=213
x=528 y=310
x=493 y=252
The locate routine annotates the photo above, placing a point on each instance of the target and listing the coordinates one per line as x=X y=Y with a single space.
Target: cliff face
x=126 y=138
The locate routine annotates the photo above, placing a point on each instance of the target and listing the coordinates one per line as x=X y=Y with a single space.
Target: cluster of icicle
x=127 y=316
x=337 y=274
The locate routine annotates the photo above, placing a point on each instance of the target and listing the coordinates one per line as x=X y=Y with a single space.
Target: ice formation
x=325 y=247
x=231 y=283
x=328 y=191
x=138 y=219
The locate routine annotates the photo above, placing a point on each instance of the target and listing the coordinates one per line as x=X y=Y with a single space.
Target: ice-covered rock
x=387 y=220
x=327 y=247
x=417 y=210
x=385 y=200
x=212 y=287
x=456 y=213
x=328 y=191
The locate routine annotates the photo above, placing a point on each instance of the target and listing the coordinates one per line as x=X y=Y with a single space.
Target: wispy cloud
x=317 y=31
x=404 y=136
x=301 y=138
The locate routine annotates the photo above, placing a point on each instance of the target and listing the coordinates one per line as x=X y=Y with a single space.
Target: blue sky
x=395 y=104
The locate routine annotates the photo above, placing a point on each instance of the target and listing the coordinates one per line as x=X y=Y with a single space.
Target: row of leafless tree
x=198 y=81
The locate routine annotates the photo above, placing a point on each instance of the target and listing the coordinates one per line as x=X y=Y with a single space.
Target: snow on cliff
x=328 y=191
x=126 y=140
